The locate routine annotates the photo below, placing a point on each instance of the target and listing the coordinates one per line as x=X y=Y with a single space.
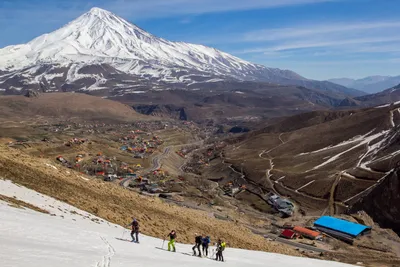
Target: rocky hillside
x=381 y=202
x=388 y=96
x=325 y=161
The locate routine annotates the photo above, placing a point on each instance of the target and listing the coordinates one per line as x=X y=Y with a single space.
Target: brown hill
x=388 y=96
x=66 y=106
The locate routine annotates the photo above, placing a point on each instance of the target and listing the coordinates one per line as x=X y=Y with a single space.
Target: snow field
x=71 y=237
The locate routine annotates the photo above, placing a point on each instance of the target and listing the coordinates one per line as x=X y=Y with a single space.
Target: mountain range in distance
x=370 y=84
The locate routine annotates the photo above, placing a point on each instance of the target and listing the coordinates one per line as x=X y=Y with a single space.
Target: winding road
x=156 y=164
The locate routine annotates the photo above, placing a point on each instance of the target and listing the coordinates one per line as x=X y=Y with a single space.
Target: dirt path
x=332 y=206
x=268 y=174
x=391 y=117
x=294 y=244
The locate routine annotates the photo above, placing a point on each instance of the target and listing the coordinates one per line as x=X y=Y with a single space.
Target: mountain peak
x=97 y=10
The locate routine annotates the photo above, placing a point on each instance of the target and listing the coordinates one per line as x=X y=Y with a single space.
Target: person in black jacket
x=220 y=248
x=198 y=241
x=135 y=230
x=171 y=243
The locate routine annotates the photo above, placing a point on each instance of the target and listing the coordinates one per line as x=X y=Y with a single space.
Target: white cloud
x=332 y=38
x=156 y=8
x=331 y=43
x=315 y=30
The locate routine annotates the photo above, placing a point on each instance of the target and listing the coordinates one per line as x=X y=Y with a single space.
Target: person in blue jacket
x=205 y=242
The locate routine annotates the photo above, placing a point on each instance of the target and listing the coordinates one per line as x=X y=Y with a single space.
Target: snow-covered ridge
x=76 y=238
x=99 y=36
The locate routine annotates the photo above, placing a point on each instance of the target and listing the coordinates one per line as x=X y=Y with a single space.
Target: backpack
x=198 y=240
x=223 y=246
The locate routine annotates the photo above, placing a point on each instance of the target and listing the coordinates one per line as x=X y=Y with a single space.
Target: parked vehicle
x=282 y=205
x=110 y=177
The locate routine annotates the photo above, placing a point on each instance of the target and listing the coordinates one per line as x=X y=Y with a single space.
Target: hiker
x=135 y=230
x=205 y=242
x=171 y=243
x=220 y=248
x=198 y=241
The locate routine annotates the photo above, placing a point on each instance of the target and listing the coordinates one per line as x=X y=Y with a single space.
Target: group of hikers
x=202 y=241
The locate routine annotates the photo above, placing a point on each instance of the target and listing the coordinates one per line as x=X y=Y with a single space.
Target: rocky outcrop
x=32 y=93
x=170 y=111
x=382 y=204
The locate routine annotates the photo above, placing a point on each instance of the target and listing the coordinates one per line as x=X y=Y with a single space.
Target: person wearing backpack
x=198 y=241
x=171 y=243
x=220 y=248
x=205 y=242
x=135 y=230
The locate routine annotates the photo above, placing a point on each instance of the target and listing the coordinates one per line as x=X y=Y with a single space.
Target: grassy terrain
x=14 y=202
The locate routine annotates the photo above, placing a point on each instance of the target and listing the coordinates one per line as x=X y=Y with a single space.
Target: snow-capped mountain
x=100 y=50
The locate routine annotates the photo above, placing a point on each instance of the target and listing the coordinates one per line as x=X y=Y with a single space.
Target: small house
x=307 y=233
x=288 y=234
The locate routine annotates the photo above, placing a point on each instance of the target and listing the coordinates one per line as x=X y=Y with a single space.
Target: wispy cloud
x=313 y=30
x=356 y=37
x=156 y=8
x=186 y=21
x=324 y=44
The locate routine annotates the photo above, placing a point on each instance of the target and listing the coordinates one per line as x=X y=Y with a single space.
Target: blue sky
x=319 y=39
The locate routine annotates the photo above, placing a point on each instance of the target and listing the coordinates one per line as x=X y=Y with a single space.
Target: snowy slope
x=74 y=238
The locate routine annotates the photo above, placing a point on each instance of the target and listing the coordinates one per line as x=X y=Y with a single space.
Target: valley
x=110 y=121
x=225 y=175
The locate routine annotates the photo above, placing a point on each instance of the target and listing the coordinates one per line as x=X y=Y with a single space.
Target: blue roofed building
x=341 y=229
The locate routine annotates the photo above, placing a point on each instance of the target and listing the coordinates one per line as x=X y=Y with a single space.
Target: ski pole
x=123 y=233
x=163 y=244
